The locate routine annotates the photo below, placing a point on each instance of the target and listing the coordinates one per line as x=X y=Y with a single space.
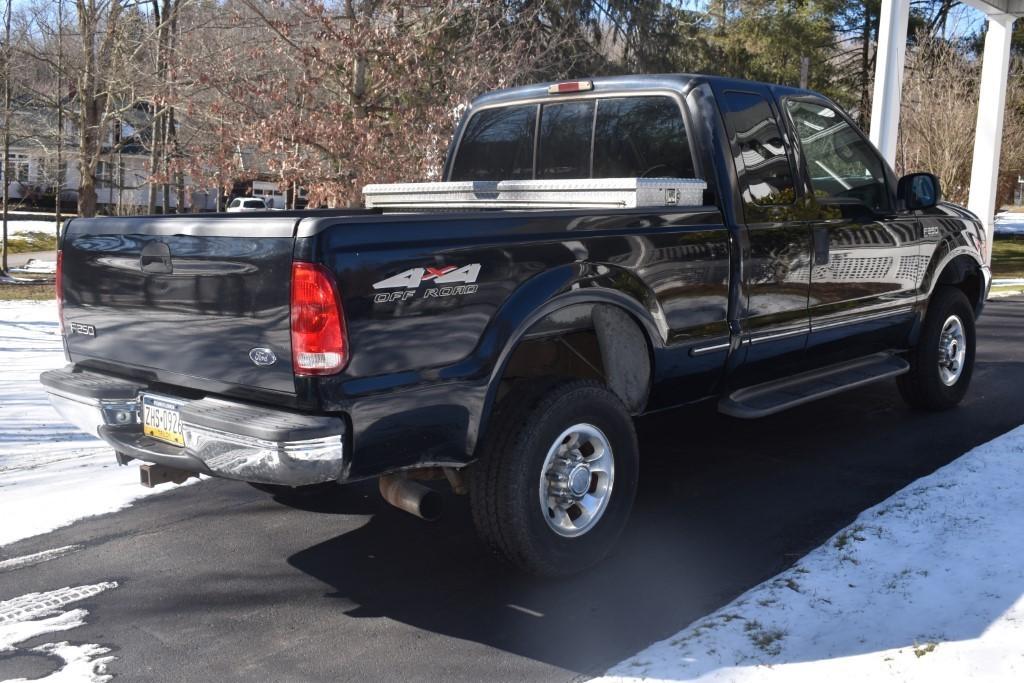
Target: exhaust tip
x=412 y=497
x=431 y=506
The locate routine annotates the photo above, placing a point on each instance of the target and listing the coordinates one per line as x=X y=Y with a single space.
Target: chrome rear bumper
x=222 y=438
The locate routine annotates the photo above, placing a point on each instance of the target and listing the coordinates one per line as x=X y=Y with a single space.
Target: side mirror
x=919 y=191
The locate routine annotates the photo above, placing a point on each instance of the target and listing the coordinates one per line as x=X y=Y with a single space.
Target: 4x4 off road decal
x=410 y=281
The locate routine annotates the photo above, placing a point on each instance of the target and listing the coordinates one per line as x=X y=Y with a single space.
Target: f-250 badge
x=410 y=281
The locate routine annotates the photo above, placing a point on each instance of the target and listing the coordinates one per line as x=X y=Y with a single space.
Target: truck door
x=776 y=262
x=866 y=256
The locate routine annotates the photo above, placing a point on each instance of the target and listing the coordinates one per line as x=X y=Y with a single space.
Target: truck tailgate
x=182 y=299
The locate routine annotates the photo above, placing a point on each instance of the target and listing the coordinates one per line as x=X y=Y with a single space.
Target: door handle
x=821 y=255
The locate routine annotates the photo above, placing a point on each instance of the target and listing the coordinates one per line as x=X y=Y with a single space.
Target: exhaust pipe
x=412 y=497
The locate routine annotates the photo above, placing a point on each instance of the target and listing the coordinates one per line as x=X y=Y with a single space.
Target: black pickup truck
x=506 y=350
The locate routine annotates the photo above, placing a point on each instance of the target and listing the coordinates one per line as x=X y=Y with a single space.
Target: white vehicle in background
x=243 y=204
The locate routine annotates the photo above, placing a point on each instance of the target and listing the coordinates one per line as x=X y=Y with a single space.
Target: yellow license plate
x=161 y=419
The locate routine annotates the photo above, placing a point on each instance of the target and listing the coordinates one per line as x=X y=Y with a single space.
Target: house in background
x=122 y=176
x=269 y=190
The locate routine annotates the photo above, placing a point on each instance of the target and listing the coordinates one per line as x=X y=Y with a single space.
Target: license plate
x=161 y=420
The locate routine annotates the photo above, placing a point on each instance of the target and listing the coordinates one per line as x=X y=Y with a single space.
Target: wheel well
x=964 y=274
x=585 y=341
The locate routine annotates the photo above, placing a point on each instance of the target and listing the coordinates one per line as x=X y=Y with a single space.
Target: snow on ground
x=1009 y=223
x=17 y=227
x=925 y=586
x=50 y=473
x=37 y=614
x=37 y=558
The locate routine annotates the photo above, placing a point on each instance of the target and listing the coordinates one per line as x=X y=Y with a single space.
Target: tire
x=933 y=382
x=513 y=484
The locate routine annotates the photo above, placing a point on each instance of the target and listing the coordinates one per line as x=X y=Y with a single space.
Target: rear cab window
x=610 y=137
x=641 y=137
x=497 y=144
x=565 y=133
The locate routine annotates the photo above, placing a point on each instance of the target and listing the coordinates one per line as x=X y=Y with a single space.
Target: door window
x=841 y=164
x=762 y=164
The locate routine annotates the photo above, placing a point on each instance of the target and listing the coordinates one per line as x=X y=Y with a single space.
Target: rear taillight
x=319 y=337
x=59 y=286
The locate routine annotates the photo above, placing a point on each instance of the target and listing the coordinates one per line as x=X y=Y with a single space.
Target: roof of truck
x=677 y=82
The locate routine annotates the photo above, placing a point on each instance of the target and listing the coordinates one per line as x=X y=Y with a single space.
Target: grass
x=922 y=650
x=1006 y=290
x=767 y=640
x=1008 y=257
x=31 y=241
x=26 y=292
x=846 y=536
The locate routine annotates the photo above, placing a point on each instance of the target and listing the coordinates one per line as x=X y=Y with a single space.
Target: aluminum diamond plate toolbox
x=617 y=193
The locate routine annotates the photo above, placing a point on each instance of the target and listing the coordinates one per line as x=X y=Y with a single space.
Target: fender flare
x=626 y=302
x=961 y=261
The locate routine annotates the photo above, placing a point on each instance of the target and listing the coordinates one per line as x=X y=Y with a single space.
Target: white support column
x=988 y=135
x=885 y=105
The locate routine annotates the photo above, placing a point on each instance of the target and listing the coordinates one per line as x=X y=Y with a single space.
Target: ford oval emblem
x=262 y=356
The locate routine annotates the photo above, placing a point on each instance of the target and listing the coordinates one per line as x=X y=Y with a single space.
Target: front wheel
x=556 y=480
x=942 y=363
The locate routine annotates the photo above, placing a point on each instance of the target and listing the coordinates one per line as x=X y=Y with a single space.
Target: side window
x=497 y=144
x=565 y=132
x=762 y=164
x=840 y=162
x=641 y=137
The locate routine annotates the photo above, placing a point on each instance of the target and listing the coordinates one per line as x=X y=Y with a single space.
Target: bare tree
x=7 y=133
x=331 y=100
x=98 y=23
x=939 y=112
x=164 y=14
x=59 y=100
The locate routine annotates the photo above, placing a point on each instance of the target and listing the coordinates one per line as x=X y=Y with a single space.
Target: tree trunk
x=60 y=118
x=120 y=183
x=179 y=181
x=7 y=132
x=154 y=155
x=88 y=150
x=157 y=119
x=865 y=67
x=168 y=121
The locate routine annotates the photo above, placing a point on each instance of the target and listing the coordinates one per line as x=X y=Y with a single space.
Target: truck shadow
x=723 y=505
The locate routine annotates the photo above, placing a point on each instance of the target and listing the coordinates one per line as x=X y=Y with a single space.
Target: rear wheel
x=942 y=363
x=555 y=483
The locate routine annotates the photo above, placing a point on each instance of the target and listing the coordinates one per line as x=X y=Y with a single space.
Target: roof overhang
x=997 y=7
